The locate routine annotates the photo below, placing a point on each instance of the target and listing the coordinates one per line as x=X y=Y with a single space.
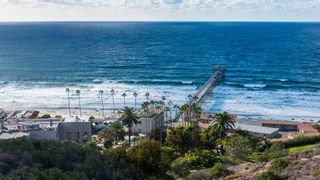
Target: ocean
x=272 y=69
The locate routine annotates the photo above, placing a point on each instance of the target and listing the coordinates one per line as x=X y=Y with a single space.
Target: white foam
x=20 y=96
x=254 y=85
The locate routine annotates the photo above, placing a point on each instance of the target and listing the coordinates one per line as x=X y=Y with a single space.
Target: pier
x=216 y=77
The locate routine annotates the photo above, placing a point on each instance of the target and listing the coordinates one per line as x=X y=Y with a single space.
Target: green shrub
x=261 y=157
x=268 y=176
x=46 y=116
x=301 y=141
x=218 y=170
x=199 y=175
x=239 y=147
x=202 y=158
x=181 y=166
x=317 y=127
x=279 y=164
x=169 y=152
x=277 y=146
x=107 y=143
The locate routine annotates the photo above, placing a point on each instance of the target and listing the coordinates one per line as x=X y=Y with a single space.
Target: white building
x=148 y=122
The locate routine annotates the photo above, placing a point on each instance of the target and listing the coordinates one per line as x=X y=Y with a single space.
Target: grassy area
x=301 y=148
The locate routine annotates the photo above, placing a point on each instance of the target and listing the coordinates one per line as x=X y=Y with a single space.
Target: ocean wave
x=254 y=85
x=157 y=82
x=4 y=82
x=97 y=81
x=283 y=80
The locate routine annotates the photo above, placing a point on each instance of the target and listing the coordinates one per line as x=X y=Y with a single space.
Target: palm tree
x=68 y=92
x=118 y=132
x=124 y=99
x=162 y=102
x=145 y=106
x=176 y=106
x=222 y=124
x=78 y=93
x=186 y=110
x=101 y=94
x=129 y=118
x=166 y=109
x=170 y=105
x=147 y=96
x=114 y=109
x=135 y=94
x=194 y=98
x=190 y=97
x=196 y=112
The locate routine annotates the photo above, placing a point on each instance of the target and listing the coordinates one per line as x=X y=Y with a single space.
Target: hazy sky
x=163 y=10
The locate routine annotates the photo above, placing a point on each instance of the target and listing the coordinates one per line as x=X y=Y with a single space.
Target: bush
x=317 y=127
x=46 y=116
x=268 y=176
x=199 y=175
x=181 y=166
x=184 y=138
x=301 y=141
x=218 y=170
x=107 y=143
x=52 y=174
x=146 y=159
x=169 y=152
x=277 y=146
x=156 y=133
x=239 y=147
x=202 y=158
x=279 y=164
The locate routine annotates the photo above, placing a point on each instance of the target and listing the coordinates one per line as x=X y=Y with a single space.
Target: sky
x=159 y=10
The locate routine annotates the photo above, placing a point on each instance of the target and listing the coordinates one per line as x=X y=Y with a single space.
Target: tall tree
x=114 y=109
x=222 y=124
x=124 y=99
x=102 y=105
x=118 y=131
x=176 y=106
x=135 y=94
x=129 y=118
x=78 y=93
x=68 y=94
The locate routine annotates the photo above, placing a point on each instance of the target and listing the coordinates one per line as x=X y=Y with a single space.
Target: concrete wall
x=74 y=131
x=147 y=124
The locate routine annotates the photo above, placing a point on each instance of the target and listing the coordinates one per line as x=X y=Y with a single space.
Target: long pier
x=213 y=81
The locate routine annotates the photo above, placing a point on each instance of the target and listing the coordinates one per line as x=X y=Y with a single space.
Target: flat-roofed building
x=74 y=131
x=290 y=126
x=258 y=131
x=148 y=121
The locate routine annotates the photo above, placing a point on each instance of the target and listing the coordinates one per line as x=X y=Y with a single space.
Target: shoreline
x=96 y=112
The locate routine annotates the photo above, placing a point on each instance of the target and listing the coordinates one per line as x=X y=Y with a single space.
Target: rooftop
x=13 y=135
x=302 y=126
x=255 y=129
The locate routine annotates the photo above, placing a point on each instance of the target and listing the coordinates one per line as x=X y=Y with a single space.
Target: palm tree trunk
x=220 y=136
x=69 y=104
x=102 y=106
x=114 y=109
x=129 y=136
x=80 y=107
